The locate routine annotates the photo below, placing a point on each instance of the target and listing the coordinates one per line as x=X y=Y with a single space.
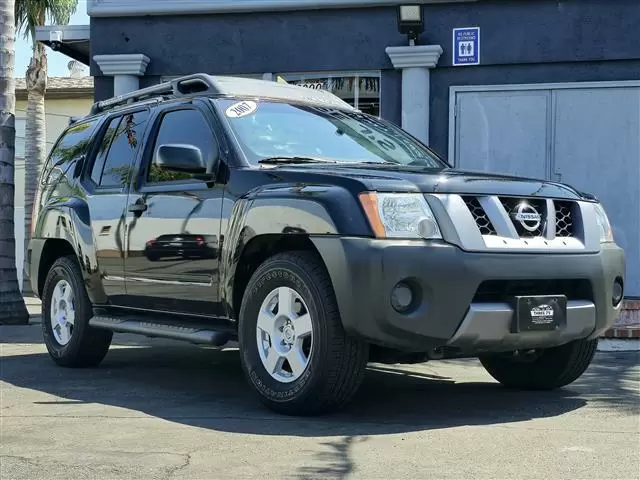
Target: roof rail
x=196 y=83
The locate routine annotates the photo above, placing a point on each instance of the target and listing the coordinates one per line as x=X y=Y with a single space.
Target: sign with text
x=466 y=46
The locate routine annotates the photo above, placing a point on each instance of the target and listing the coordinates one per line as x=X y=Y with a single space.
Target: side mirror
x=181 y=158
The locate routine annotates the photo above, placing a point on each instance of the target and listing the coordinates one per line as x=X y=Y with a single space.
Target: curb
x=618 y=345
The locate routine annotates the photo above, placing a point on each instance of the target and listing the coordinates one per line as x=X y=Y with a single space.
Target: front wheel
x=294 y=350
x=545 y=370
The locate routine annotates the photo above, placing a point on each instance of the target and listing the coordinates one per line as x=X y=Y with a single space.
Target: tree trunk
x=35 y=141
x=12 y=307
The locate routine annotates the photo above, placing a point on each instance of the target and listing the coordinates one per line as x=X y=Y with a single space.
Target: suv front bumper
x=457 y=306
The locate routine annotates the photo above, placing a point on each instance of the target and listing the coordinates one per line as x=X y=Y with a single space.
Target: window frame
x=142 y=185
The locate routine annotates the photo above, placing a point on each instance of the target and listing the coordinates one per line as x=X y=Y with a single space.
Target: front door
x=173 y=224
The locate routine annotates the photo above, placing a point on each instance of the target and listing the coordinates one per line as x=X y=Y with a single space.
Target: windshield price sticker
x=241 y=109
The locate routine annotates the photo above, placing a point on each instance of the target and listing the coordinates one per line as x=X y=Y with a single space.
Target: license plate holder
x=539 y=313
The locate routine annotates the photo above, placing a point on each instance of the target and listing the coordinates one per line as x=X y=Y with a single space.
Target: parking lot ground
x=158 y=409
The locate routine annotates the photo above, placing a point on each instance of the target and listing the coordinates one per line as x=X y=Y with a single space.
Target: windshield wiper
x=294 y=159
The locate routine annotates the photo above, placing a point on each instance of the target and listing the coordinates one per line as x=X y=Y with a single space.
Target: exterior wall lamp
x=411 y=21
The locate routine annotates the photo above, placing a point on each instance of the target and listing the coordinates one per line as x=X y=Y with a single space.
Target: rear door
x=106 y=182
x=173 y=222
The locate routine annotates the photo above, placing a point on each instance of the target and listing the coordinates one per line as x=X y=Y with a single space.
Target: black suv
x=214 y=209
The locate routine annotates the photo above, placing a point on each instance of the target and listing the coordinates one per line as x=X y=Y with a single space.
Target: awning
x=71 y=40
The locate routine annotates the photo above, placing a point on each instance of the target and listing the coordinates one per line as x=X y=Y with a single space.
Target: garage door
x=586 y=135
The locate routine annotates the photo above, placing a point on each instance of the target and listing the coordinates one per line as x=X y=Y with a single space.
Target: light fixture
x=411 y=21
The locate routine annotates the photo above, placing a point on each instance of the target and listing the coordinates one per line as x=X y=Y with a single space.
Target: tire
x=552 y=368
x=86 y=346
x=336 y=362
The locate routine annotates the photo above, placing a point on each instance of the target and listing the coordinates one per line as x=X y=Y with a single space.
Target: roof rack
x=177 y=87
x=222 y=85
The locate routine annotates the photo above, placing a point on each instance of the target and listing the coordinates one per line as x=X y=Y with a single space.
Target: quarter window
x=71 y=146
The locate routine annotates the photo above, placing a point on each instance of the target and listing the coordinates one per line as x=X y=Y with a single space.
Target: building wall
x=522 y=41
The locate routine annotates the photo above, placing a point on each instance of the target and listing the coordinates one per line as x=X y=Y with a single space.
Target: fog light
x=618 y=292
x=401 y=297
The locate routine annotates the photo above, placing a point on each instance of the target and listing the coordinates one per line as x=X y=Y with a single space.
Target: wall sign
x=466 y=46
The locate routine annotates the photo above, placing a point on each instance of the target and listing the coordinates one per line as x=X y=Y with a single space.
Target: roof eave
x=74 y=40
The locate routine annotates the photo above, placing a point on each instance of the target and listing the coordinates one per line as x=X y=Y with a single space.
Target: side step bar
x=193 y=333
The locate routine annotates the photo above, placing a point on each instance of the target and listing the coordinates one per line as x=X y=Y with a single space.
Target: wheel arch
x=256 y=252
x=65 y=229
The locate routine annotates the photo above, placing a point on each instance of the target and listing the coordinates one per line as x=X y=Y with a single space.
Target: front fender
x=287 y=210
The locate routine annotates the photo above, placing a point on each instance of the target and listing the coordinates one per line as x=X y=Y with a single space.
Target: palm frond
x=36 y=13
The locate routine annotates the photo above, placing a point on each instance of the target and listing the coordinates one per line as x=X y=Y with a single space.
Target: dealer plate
x=539 y=313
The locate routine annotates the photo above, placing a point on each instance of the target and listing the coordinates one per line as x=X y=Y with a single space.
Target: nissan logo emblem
x=528 y=216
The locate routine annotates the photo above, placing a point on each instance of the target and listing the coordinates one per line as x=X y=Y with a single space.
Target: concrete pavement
x=158 y=409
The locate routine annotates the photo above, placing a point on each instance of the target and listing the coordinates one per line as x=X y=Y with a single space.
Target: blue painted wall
x=522 y=41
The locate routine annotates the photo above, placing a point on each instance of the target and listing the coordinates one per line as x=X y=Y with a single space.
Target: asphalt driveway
x=158 y=409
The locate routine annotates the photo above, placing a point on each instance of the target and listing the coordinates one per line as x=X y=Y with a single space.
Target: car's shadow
x=206 y=388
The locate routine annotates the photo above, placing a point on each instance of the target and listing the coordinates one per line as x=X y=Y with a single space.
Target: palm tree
x=12 y=307
x=30 y=14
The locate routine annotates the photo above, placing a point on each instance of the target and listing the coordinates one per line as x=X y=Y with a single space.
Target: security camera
x=56 y=46
x=55 y=36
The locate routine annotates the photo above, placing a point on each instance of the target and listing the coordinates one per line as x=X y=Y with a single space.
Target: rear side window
x=116 y=154
x=72 y=145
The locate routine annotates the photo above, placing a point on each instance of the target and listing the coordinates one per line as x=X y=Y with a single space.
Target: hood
x=395 y=178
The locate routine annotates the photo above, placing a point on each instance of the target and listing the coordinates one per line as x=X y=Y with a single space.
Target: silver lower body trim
x=487 y=327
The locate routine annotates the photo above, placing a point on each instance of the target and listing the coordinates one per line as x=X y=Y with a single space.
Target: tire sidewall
x=63 y=269
x=281 y=274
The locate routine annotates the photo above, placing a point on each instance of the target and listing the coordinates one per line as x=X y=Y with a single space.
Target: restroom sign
x=466 y=46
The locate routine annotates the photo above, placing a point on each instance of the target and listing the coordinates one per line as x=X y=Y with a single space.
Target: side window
x=115 y=156
x=185 y=127
x=103 y=149
x=71 y=146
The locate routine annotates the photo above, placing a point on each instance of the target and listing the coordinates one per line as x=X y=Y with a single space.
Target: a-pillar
x=415 y=61
x=126 y=70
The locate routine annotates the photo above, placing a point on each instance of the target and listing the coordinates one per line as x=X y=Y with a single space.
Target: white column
x=126 y=70
x=415 y=61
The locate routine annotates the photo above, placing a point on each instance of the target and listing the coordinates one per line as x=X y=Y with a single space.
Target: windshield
x=271 y=129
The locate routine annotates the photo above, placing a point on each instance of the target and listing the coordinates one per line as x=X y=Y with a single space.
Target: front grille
x=526 y=228
x=523 y=214
x=500 y=290
x=564 y=219
x=480 y=216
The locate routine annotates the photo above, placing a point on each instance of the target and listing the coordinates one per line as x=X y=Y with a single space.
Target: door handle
x=138 y=207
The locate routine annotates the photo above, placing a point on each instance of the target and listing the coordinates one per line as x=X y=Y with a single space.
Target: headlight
x=606 y=233
x=400 y=215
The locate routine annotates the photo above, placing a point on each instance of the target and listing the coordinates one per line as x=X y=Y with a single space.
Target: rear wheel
x=545 y=370
x=66 y=311
x=294 y=350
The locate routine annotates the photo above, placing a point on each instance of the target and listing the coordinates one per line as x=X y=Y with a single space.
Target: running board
x=193 y=333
